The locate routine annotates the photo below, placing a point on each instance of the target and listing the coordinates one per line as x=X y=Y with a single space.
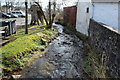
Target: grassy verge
x=17 y=53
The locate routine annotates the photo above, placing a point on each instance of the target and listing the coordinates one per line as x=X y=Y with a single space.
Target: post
x=26 y=18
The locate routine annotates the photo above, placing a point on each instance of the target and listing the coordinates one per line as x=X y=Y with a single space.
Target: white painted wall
x=119 y=15
x=82 y=22
x=106 y=13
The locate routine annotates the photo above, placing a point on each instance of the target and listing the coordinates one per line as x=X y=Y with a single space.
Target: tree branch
x=41 y=11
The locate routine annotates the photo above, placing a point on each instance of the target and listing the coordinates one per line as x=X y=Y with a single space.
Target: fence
x=70 y=15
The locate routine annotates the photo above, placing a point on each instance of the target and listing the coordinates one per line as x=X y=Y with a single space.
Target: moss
x=16 y=53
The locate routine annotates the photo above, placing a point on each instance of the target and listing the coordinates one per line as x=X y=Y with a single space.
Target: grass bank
x=16 y=54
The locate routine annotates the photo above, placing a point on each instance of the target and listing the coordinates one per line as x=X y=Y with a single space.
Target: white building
x=104 y=11
x=83 y=16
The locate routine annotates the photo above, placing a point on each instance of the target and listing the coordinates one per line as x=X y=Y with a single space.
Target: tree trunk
x=26 y=18
x=42 y=12
x=50 y=21
x=53 y=15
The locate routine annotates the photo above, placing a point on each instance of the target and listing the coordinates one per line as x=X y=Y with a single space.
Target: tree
x=34 y=16
x=51 y=15
x=54 y=11
x=9 y=5
x=42 y=12
x=26 y=18
x=59 y=12
x=50 y=21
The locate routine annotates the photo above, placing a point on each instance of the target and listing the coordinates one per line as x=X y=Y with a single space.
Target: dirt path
x=62 y=60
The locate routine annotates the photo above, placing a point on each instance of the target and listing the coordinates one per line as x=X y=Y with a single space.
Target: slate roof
x=105 y=0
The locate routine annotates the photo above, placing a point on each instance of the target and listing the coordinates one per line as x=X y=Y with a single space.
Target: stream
x=63 y=58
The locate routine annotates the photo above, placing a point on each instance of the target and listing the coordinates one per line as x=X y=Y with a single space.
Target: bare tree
x=54 y=11
x=59 y=11
x=9 y=5
x=26 y=17
x=42 y=12
x=51 y=12
x=50 y=21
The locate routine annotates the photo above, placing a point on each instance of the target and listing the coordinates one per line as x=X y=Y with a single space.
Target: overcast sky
x=45 y=2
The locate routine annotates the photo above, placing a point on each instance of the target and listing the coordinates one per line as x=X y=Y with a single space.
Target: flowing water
x=63 y=58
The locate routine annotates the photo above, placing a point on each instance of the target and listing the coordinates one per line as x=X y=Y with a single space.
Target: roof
x=105 y=0
x=70 y=6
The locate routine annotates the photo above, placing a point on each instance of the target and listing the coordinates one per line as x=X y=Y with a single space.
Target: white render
x=103 y=11
x=82 y=22
x=106 y=13
x=119 y=15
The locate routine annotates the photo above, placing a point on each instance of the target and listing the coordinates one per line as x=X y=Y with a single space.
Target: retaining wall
x=105 y=40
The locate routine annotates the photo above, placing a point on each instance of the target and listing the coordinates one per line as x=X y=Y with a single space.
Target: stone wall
x=105 y=40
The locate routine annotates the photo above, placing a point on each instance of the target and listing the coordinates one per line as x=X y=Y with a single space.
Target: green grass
x=16 y=53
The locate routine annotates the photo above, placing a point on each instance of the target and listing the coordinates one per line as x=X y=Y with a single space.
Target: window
x=87 y=10
x=18 y=13
x=13 y=12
